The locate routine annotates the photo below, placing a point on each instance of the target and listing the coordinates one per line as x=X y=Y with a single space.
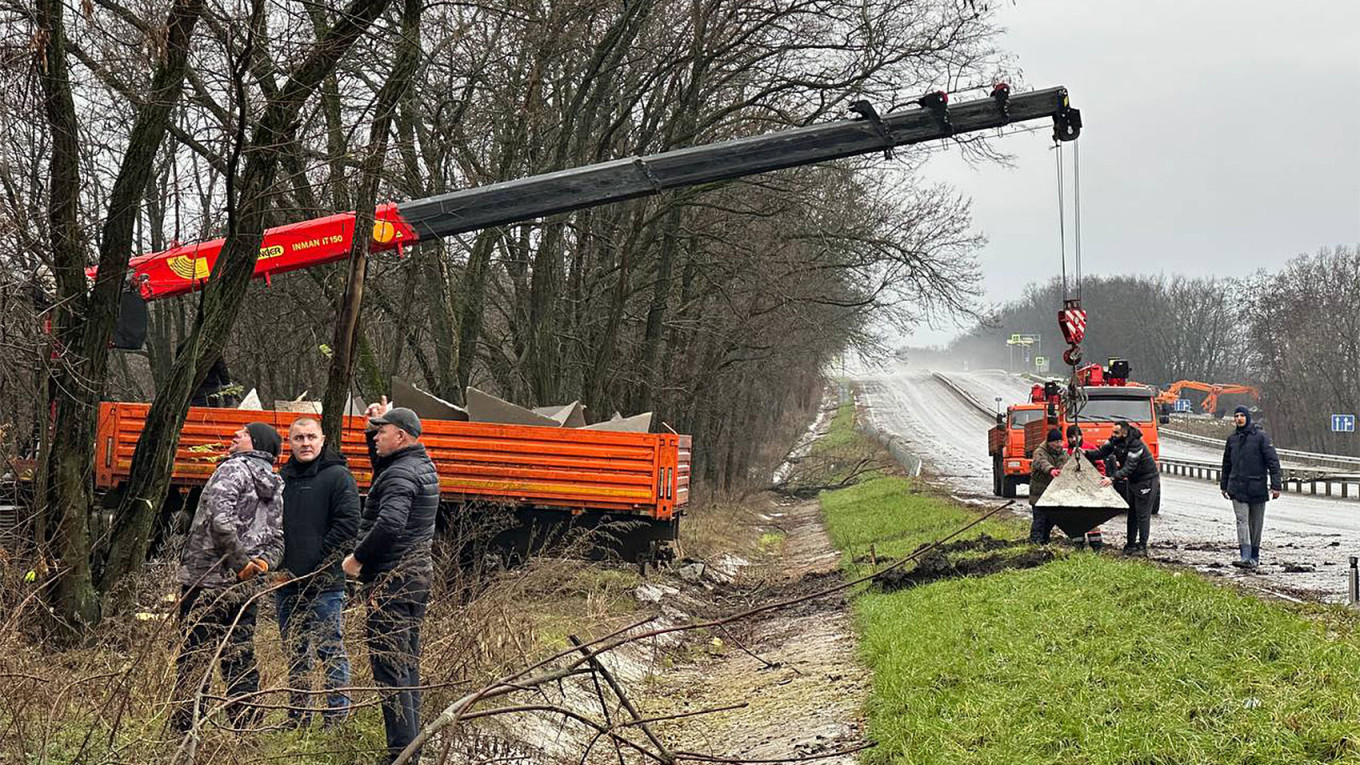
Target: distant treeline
x=1294 y=333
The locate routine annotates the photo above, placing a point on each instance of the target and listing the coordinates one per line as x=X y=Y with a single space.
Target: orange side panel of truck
x=577 y=470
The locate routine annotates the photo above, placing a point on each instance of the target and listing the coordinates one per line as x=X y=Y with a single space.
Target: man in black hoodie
x=1136 y=467
x=320 y=520
x=1248 y=457
x=393 y=562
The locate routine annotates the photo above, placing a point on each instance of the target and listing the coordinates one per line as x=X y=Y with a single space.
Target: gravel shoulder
x=796 y=669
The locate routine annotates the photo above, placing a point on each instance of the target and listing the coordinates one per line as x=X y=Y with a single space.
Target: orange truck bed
x=565 y=468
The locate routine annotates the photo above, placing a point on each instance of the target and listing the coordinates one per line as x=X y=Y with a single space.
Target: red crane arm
x=183 y=269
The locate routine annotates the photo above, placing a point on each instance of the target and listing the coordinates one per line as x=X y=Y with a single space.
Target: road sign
x=1041 y=363
x=1343 y=423
x=1182 y=405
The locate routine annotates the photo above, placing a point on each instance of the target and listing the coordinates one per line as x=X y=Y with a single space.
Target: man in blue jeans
x=320 y=521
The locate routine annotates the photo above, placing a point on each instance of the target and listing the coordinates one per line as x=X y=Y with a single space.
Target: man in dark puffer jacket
x=393 y=561
x=1139 y=469
x=1248 y=458
x=320 y=520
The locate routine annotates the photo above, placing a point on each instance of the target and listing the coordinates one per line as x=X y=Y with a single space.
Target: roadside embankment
x=992 y=650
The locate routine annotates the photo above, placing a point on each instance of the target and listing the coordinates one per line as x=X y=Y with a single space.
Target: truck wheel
x=1008 y=485
x=996 y=476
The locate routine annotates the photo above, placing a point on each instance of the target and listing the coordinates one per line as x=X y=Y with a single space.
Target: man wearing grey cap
x=393 y=562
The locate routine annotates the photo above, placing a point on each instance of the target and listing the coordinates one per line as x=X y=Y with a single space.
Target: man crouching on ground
x=236 y=535
x=393 y=562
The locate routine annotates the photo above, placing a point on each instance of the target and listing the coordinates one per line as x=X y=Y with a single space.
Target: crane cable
x=1062 y=223
x=1076 y=398
x=1075 y=285
x=1076 y=210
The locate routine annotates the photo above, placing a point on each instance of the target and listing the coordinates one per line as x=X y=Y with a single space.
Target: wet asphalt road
x=1196 y=526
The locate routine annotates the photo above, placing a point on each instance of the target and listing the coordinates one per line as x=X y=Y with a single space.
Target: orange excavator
x=1212 y=391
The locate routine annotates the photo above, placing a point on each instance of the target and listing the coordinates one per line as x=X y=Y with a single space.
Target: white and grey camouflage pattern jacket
x=239 y=518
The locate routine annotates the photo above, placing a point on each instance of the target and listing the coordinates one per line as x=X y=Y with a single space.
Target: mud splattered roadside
x=796 y=669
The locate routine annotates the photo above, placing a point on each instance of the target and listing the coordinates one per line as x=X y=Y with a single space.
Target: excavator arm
x=397 y=225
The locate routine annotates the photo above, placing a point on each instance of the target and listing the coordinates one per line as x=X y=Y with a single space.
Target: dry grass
x=107 y=702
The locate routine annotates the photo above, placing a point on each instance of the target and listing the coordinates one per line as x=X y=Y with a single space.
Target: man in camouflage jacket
x=237 y=535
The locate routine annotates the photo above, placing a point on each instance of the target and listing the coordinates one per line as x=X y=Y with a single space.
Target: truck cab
x=1006 y=443
x=1105 y=397
x=1106 y=405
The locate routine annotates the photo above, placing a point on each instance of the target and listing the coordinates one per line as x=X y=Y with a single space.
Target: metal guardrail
x=1335 y=459
x=1295 y=482
x=967 y=397
x=894 y=444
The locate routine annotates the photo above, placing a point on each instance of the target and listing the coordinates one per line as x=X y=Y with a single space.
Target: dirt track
x=796 y=668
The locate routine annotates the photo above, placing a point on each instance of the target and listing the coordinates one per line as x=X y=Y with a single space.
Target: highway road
x=1307 y=539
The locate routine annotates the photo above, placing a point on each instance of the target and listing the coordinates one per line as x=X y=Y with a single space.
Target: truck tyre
x=1008 y=485
x=996 y=476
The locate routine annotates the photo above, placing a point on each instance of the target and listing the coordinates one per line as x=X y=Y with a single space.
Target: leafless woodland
x=1292 y=332
x=130 y=127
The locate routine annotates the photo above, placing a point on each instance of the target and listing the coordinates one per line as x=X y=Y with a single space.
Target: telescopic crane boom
x=397 y=225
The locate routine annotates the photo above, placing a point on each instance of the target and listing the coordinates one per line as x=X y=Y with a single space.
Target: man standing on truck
x=236 y=535
x=1139 y=470
x=320 y=520
x=1248 y=458
x=393 y=561
x=1044 y=466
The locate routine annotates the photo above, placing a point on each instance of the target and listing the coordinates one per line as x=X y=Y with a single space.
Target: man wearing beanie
x=1044 y=466
x=393 y=562
x=236 y=535
x=1248 y=458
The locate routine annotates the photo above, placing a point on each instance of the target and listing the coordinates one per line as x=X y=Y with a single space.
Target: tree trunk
x=247 y=211
x=347 y=321
x=86 y=319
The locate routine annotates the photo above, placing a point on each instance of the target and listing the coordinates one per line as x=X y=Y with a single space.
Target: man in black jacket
x=1135 y=466
x=1248 y=457
x=393 y=562
x=320 y=520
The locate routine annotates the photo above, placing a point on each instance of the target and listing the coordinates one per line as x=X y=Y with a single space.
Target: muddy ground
x=796 y=669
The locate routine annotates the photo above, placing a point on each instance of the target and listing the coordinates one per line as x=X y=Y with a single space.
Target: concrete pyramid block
x=1076 y=501
x=427 y=405
x=1078 y=485
x=484 y=407
x=638 y=423
x=571 y=415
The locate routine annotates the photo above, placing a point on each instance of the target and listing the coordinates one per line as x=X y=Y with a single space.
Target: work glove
x=254 y=567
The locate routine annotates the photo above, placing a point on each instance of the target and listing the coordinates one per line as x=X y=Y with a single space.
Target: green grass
x=1088 y=659
x=1094 y=660
x=890 y=515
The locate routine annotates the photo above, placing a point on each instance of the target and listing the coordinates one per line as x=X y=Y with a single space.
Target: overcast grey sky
x=1221 y=137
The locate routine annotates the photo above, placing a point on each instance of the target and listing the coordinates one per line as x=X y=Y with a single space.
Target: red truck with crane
x=569 y=474
x=1101 y=397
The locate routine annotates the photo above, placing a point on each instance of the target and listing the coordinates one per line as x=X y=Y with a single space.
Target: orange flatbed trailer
x=566 y=469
